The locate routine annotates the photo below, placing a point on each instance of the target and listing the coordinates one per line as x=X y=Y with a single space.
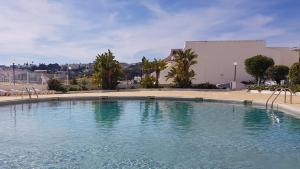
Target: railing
x=29 y=92
x=37 y=96
x=279 y=90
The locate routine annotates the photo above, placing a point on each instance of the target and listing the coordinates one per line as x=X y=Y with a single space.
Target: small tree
x=294 y=74
x=83 y=83
x=278 y=73
x=181 y=72
x=107 y=70
x=158 y=66
x=54 y=84
x=257 y=66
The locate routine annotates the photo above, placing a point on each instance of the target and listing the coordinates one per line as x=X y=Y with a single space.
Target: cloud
x=75 y=31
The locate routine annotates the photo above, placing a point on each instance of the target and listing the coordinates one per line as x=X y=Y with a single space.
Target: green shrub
x=74 y=81
x=63 y=89
x=205 y=86
x=74 y=88
x=258 y=87
x=250 y=82
x=295 y=88
x=148 y=82
x=264 y=87
x=294 y=74
x=54 y=84
x=277 y=73
x=257 y=66
x=83 y=83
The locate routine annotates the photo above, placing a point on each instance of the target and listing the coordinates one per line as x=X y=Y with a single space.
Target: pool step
x=199 y=99
x=247 y=102
x=151 y=98
x=104 y=98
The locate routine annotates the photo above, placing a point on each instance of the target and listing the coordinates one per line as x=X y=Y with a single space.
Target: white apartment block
x=216 y=59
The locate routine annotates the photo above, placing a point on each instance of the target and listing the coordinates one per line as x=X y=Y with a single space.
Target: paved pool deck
x=239 y=96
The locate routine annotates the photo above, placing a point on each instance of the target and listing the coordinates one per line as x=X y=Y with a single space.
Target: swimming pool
x=146 y=134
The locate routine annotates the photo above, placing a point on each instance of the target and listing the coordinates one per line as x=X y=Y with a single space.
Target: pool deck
x=239 y=96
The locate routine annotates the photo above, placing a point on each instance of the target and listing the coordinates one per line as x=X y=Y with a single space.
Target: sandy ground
x=220 y=95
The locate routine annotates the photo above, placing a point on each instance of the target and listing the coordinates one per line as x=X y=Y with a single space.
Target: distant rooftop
x=172 y=53
x=228 y=41
x=240 y=41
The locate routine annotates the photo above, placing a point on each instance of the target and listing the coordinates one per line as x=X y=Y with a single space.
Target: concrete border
x=280 y=107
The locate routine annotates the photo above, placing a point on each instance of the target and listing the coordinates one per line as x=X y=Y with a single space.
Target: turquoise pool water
x=146 y=134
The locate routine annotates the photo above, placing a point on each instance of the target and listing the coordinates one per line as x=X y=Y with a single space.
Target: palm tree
x=107 y=70
x=181 y=72
x=158 y=66
x=147 y=67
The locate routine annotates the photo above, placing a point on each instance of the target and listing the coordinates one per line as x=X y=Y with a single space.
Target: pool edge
x=280 y=107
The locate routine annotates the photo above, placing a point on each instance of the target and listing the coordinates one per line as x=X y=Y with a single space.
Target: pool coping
x=279 y=107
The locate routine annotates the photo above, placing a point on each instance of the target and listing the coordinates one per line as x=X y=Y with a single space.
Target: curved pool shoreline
x=238 y=97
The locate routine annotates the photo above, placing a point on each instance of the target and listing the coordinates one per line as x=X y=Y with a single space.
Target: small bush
x=74 y=81
x=54 y=84
x=294 y=74
x=295 y=88
x=205 y=86
x=278 y=73
x=83 y=83
x=264 y=87
x=148 y=82
x=250 y=82
x=74 y=88
x=63 y=89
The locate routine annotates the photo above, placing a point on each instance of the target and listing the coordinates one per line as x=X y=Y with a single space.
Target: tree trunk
x=109 y=74
x=157 y=77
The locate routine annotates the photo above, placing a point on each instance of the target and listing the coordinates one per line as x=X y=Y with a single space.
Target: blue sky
x=74 y=31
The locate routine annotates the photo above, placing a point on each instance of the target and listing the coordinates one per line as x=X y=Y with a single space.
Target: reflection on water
x=13 y=112
x=293 y=124
x=107 y=113
x=256 y=119
x=151 y=111
x=181 y=113
x=261 y=119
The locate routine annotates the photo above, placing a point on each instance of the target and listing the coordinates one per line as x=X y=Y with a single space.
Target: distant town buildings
x=31 y=73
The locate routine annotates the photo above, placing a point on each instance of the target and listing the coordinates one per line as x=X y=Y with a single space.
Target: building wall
x=216 y=58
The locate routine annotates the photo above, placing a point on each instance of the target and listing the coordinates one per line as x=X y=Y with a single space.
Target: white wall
x=216 y=58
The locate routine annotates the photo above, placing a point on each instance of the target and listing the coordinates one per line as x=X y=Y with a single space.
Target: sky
x=75 y=31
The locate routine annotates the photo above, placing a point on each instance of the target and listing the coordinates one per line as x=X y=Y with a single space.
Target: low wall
x=270 y=92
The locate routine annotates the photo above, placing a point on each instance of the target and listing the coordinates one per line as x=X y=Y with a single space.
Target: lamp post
x=235 y=66
x=233 y=84
x=14 y=75
x=68 y=76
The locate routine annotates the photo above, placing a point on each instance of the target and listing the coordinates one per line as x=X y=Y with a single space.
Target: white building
x=216 y=58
